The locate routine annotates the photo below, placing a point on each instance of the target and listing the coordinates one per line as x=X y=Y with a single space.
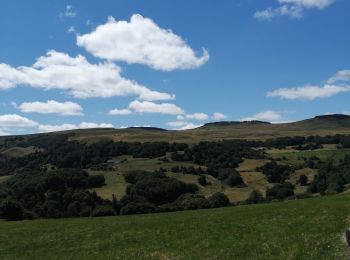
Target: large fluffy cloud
x=51 y=107
x=141 y=41
x=77 y=76
x=292 y=8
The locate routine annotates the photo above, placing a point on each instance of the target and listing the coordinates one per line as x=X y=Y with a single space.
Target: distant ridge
x=230 y=123
x=333 y=116
x=322 y=125
x=148 y=128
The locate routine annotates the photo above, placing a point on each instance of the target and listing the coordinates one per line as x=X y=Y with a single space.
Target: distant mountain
x=232 y=123
x=252 y=130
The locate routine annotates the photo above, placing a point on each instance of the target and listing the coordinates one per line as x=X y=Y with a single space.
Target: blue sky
x=170 y=64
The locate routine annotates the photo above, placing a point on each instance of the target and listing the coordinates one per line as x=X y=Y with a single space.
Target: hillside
x=254 y=130
x=300 y=229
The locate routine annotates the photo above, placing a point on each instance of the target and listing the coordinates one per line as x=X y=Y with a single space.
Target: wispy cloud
x=335 y=85
x=51 y=107
x=68 y=12
x=268 y=116
x=292 y=8
x=65 y=127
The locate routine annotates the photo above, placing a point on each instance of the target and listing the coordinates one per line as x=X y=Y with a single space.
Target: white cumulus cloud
x=76 y=76
x=342 y=76
x=51 y=107
x=120 y=112
x=141 y=41
x=197 y=116
x=218 y=116
x=13 y=120
x=335 y=85
x=151 y=107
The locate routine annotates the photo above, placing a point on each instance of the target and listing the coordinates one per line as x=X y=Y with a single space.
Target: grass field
x=299 y=229
x=19 y=151
x=324 y=154
x=115 y=183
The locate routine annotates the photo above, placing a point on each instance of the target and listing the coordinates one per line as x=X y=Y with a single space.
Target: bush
x=202 y=180
x=103 y=210
x=218 y=200
x=95 y=181
x=255 y=197
x=137 y=208
x=303 y=180
x=12 y=210
x=192 y=201
x=156 y=187
x=231 y=177
x=280 y=191
x=275 y=172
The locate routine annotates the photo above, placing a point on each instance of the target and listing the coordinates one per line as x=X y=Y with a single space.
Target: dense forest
x=52 y=181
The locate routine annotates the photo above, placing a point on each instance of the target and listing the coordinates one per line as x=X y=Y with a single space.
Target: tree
x=255 y=197
x=218 y=200
x=202 y=180
x=103 y=210
x=12 y=210
x=303 y=180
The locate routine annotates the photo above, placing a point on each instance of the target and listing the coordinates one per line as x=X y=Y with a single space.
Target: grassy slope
x=323 y=154
x=19 y=151
x=301 y=229
x=115 y=183
x=256 y=131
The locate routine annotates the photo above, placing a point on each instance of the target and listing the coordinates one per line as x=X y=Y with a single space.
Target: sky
x=170 y=64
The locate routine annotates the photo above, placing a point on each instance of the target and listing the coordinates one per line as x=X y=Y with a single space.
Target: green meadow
x=300 y=229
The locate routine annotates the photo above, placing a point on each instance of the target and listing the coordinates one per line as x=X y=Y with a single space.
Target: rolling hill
x=252 y=130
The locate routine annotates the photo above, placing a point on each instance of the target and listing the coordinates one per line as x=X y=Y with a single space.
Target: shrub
x=218 y=200
x=303 y=180
x=95 y=181
x=202 y=180
x=137 y=208
x=280 y=191
x=12 y=210
x=103 y=210
x=255 y=197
